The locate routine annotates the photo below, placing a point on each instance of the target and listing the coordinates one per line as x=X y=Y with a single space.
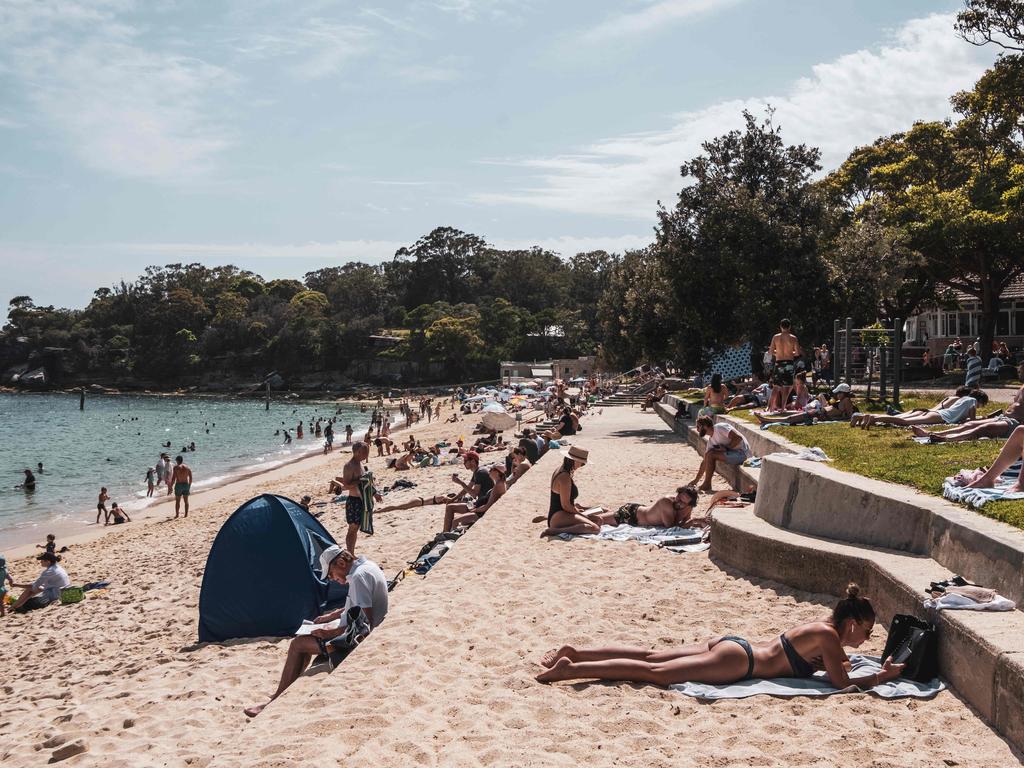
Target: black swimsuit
x=801 y=667
x=556 y=501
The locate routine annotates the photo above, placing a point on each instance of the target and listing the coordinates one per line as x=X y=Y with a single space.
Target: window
x=1019 y=320
x=963 y=326
x=1003 y=323
x=950 y=329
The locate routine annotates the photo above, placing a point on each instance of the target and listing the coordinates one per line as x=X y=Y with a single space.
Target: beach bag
x=914 y=643
x=355 y=632
x=70 y=595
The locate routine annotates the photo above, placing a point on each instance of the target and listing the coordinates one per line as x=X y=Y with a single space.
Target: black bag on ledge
x=915 y=644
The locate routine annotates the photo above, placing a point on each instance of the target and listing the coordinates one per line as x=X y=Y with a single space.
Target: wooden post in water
x=81 y=399
x=268 y=395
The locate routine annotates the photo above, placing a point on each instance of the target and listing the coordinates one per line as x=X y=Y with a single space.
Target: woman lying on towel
x=799 y=652
x=817 y=408
x=667 y=512
x=963 y=409
x=996 y=426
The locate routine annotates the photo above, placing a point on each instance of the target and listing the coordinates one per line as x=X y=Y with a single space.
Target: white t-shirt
x=368 y=588
x=51 y=582
x=722 y=436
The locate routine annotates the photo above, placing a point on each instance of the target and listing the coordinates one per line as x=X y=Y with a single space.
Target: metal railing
x=870 y=357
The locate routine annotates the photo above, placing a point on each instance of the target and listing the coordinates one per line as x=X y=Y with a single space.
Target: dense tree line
x=448 y=298
x=754 y=235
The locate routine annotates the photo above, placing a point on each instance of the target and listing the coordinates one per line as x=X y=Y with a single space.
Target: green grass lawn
x=887 y=453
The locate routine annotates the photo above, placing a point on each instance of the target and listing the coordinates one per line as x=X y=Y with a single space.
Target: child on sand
x=5 y=578
x=101 y=507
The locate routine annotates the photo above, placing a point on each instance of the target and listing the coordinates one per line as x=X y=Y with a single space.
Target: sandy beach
x=448 y=678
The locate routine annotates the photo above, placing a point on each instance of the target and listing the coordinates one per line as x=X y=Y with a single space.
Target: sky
x=284 y=137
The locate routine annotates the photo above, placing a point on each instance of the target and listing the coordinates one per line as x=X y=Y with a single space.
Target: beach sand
x=447 y=679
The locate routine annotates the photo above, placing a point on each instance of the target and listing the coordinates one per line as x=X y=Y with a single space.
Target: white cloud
x=121 y=106
x=842 y=104
x=446 y=70
x=654 y=15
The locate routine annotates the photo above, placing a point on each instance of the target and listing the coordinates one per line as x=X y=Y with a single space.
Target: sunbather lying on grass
x=997 y=425
x=798 y=652
x=1012 y=452
x=819 y=408
x=964 y=409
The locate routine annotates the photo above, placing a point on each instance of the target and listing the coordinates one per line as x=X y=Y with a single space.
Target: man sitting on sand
x=367 y=589
x=459 y=513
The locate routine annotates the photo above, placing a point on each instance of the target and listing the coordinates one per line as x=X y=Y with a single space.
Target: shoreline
x=73 y=533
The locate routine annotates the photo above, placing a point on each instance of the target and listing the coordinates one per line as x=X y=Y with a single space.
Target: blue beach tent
x=262 y=574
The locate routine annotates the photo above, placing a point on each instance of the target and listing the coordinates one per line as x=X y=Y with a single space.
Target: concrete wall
x=816 y=499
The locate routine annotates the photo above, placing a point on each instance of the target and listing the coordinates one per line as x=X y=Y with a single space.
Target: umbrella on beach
x=528 y=391
x=498 y=421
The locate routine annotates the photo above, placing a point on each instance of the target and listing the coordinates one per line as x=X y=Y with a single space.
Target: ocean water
x=117 y=437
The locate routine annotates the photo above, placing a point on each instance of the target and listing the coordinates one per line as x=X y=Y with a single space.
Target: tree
x=435 y=268
x=1000 y=22
x=740 y=248
x=956 y=191
x=454 y=340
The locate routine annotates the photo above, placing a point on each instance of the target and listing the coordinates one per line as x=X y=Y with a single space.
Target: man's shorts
x=353 y=510
x=783 y=373
x=182 y=489
x=626 y=514
x=735 y=456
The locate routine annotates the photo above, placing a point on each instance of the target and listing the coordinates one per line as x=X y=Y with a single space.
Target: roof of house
x=1014 y=291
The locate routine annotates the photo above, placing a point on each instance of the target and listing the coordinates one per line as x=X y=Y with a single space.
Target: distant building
x=512 y=372
x=936 y=328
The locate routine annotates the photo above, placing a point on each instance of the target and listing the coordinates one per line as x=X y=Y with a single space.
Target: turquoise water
x=117 y=437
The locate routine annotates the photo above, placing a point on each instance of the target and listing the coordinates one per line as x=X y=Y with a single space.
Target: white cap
x=843 y=387
x=327 y=557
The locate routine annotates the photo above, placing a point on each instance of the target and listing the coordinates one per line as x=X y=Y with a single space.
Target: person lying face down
x=797 y=652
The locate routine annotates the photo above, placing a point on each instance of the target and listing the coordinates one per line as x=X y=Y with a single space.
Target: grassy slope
x=889 y=454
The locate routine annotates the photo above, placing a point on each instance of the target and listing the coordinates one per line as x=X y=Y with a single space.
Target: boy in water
x=101 y=506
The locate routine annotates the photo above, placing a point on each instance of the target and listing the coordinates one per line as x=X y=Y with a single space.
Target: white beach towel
x=978 y=497
x=684 y=539
x=953 y=602
x=813 y=686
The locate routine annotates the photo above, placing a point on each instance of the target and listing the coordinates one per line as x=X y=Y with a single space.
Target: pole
x=267 y=408
x=832 y=360
x=81 y=399
x=883 y=354
x=897 y=353
x=848 y=351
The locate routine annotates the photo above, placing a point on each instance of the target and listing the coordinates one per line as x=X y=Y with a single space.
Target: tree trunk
x=989 y=313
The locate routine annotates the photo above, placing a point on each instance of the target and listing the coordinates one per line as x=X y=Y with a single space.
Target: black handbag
x=913 y=643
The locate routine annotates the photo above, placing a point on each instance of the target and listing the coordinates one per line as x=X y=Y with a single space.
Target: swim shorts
x=626 y=514
x=1011 y=424
x=182 y=489
x=783 y=373
x=353 y=510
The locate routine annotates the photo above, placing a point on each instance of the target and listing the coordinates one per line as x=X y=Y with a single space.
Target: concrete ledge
x=812 y=498
x=738 y=477
x=981 y=655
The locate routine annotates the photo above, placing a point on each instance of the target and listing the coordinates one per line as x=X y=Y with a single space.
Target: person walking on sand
x=182 y=478
x=101 y=506
x=150 y=481
x=785 y=349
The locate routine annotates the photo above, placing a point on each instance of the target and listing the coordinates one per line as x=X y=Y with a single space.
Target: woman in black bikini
x=564 y=514
x=728 y=659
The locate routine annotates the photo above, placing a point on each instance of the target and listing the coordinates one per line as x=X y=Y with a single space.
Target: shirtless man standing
x=352 y=476
x=785 y=348
x=181 y=476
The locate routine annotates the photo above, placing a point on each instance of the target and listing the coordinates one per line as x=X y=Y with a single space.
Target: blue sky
x=287 y=136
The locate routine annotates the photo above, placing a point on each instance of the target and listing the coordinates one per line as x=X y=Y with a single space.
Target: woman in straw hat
x=564 y=514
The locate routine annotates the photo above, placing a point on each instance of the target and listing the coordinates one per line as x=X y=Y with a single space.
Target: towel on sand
x=814 y=686
x=978 y=497
x=676 y=539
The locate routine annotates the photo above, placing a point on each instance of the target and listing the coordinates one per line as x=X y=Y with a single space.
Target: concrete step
x=980 y=654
